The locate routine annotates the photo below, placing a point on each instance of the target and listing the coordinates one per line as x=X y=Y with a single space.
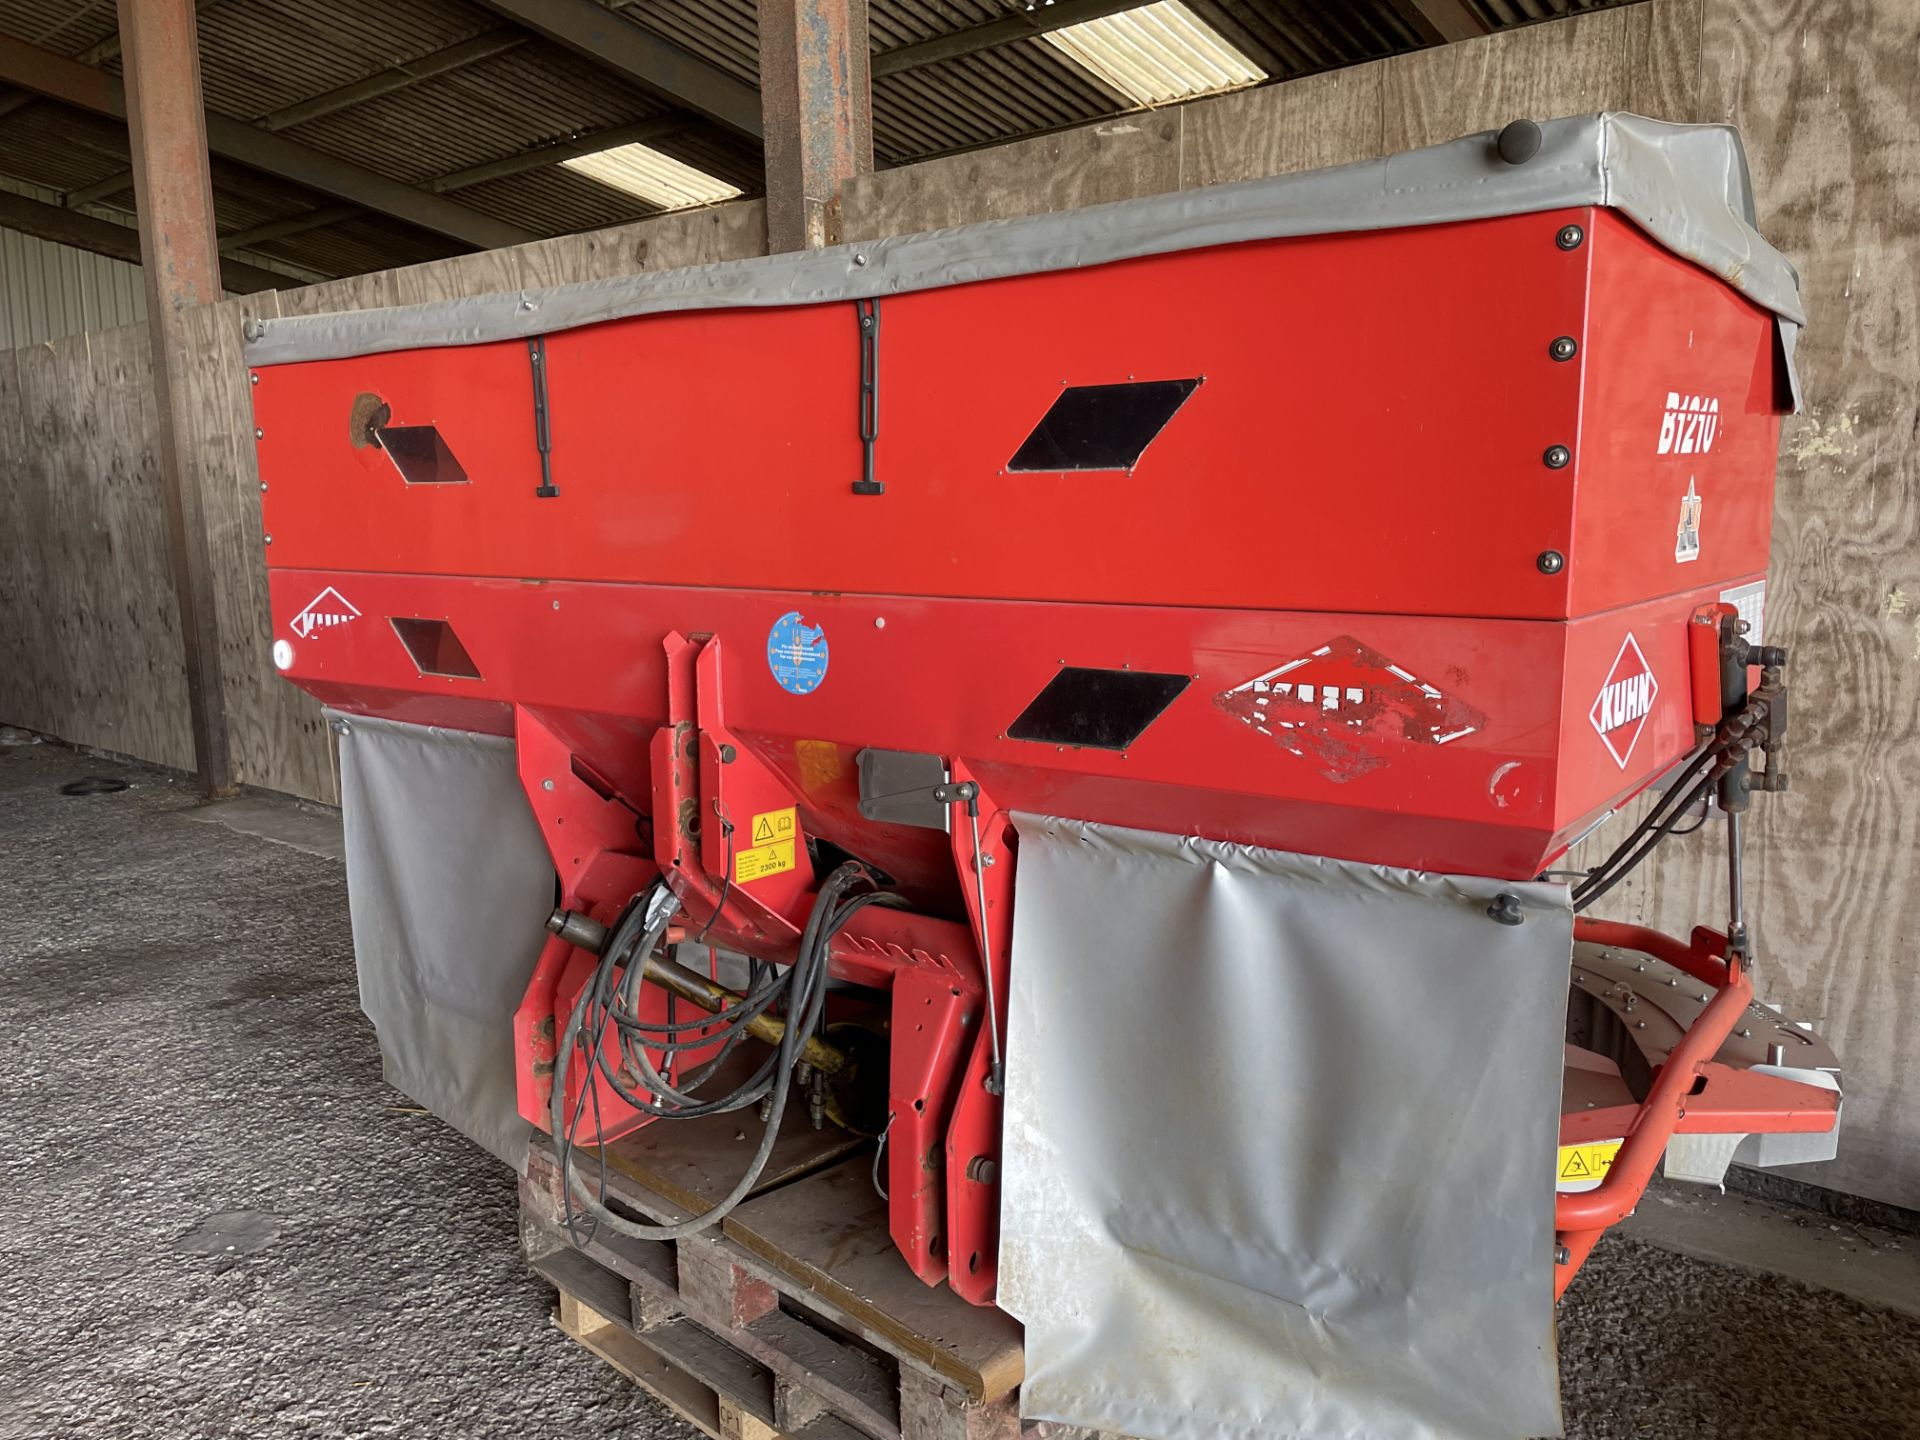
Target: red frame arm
x=1580 y=1218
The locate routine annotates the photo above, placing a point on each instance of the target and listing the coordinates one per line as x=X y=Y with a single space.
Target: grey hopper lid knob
x=1519 y=142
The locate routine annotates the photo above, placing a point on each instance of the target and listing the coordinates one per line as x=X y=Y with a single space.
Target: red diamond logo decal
x=1347 y=707
x=326 y=609
x=1625 y=701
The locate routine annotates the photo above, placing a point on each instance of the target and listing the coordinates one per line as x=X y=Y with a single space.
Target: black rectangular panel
x=1097 y=709
x=1101 y=427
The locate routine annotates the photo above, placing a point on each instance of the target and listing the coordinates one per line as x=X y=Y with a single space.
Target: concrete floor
x=192 y=1072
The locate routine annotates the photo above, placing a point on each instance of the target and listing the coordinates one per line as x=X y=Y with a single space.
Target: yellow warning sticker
x=771 y=847
x=773 y=827
x=1586 y=1164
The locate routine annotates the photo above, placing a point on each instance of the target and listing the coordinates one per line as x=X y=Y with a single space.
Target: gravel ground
x=194 y=1073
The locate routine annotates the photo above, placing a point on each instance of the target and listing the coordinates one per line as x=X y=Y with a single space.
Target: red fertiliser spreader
x=1411 y=517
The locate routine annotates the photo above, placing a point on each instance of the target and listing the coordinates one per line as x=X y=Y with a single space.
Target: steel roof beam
x=397 y=77
x=86 y=88
x=616 y=43
x=117 y=184
x=292 y=225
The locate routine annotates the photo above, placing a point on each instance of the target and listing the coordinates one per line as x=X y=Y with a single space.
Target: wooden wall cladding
x=92 y=650
x=1827 y=94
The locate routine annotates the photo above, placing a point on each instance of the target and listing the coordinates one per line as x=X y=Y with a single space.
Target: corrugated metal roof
x=260 y=56
x=977 y=99
x=721 y=32
x=59 y=148
x=1502 y=13
x=1290 y=38
x=68 y=26
x=518 y=101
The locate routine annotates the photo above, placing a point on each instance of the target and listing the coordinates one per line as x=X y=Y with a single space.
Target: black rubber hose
x=593 y=1206
x=1601 y=871
x=1594 y=890
x=806 y=986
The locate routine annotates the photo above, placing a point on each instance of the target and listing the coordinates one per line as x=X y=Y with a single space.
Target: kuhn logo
x=325 y=610
x=1689 y=425
x=1345 y=705
x=1626 y=700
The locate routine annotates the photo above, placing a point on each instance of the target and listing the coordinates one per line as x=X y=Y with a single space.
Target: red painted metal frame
x=1368 y=495
x=1732 y=1100
x=1741 y=1101
x=936 y=1011
x=705 y=778
x=973 y=1139
x=592 y=662
x=1368 y=436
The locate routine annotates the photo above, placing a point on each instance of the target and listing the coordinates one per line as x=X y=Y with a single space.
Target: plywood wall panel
x=1331 y=119
x=1116 y=159
x=1667 y=84
x=1571 y=67
x=278 y=740
x=356 y=292
x=1827 y=93
x=16 y=588
x=98 y=648
x=28 y=673
x=734 y=231
x=480 y=273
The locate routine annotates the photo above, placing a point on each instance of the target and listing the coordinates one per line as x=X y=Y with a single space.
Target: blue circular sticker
x=797 y=654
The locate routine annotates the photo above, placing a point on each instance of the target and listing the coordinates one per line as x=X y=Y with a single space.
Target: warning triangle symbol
x=1575 y=1168
x=763 y=829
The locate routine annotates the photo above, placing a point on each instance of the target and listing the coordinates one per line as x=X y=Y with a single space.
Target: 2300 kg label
x=772 y=849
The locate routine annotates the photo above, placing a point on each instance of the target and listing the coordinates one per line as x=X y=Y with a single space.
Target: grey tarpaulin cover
x=1279 y=1142
x=449 y=887
x=1686 y=185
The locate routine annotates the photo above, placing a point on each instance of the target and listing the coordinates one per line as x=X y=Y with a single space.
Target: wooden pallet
x=795 y=1317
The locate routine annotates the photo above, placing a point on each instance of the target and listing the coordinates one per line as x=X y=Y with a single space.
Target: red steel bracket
x=1580 y=1218
x=973 y=1140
